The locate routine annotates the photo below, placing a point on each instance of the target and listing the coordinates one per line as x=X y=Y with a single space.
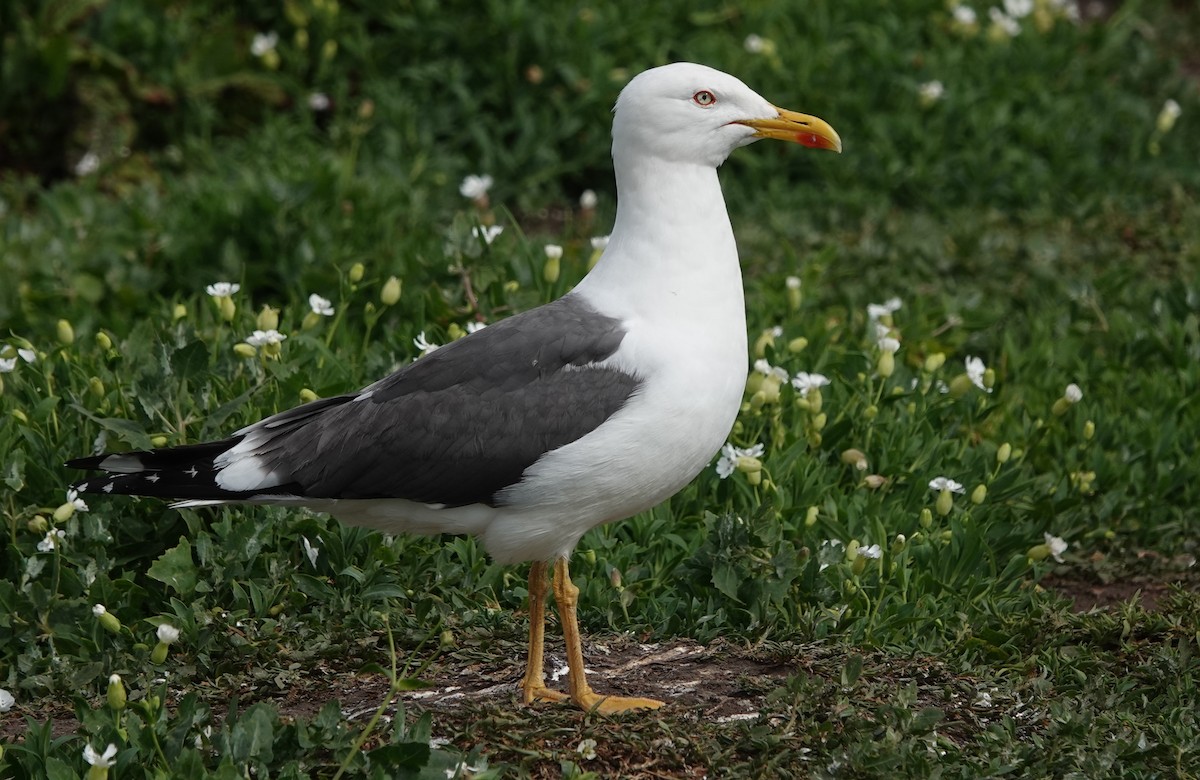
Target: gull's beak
x=798 y=128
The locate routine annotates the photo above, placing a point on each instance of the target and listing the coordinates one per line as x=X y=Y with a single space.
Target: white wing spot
x=107 y=487
x=152 y=478
x=82 y=487
x=192 y=472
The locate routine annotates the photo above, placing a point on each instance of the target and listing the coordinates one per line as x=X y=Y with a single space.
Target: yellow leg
x=567 y=596
x=533 y=687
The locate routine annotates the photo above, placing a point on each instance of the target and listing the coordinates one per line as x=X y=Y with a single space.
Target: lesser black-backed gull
x=536 y=429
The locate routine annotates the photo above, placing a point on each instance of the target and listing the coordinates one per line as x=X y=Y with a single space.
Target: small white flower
x=167 y=633
x=7 y=364
x=487 y=233
x=1008 y=25
x=437 y=743
x=1057 y=546
x=73 y=498
x=889 y=345
x=727 y=464
x=103 y=760
x=99 y=609
x=263 y=43
x=310 y=551
x=983 y=699
x=975 y=369
x=553 y=251
x=876 y=311
x=792 y=282
x=964 y=15
x=599 y=242
x=805 y=382
x=931 y=91
x=586 y=749
x=1073 y=393
x=1171 y=109
x=873 y=551
x=755 y=44
x=222 y=289
x=7 y=700
x=423 y=344
x=53 y=538
x=766 y=369
x=1018 y=8
x=945 y=483
x=475 y=187
x=87 y=165
x=475 y=325
x=319 y=101
x=319 y=305
x=261 y=338
x=28 y=355
x=588 y=200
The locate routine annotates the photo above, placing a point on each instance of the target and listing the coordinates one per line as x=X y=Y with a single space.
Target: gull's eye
x=704 y=98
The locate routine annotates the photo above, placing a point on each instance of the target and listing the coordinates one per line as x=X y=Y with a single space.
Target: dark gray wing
x=462 y=423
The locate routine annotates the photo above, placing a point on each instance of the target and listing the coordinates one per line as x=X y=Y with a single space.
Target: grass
x=1043 y=221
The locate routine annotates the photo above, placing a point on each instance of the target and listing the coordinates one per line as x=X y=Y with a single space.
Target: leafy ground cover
x=810 y=606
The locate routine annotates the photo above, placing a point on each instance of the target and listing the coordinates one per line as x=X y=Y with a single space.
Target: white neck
x=672 y=254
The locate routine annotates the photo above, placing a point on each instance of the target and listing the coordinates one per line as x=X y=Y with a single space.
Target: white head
x=691 y=113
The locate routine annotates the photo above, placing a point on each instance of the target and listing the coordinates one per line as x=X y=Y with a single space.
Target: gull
x=529 y=433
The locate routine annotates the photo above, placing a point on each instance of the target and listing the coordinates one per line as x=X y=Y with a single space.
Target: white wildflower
x=319 y=101
x=730 y=455
x=1057 y=546
x=755 y=44
x=475 y=187
x=7 y=364
x=475 y=325
x=487 y=233
x=262 y=338
x=931 y=91
x=945 y=483
x=599 y=242
x=1073 y=393
x=975 y=371
x=964 y=15
x=167 y=633
x=586 y=749
x=553 y=251
x=310 y=551
x=889 y=345
x=877 y=311
x=792 y=282
x=263 y=43
x=103 y=760
x=74 y=499
x=87 y=165
x=805 y=382
x=1018 y=9
x=222 y=289
x=873 y=551
x=423 y=344
x=1004 y=23
x=766 y=369
x=28 y=355
x=588 y=200
x=53 y=538
x=7 y=700
x=319 y=305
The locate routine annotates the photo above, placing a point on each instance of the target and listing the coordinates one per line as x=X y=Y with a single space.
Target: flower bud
x=852 y=550
x=979 y=494
x=614 y=578
x=810 y=517
x=818 y=422
x=328 y=52
x=65 y=333
x=356 y=273
x=871 y=412
x=116 y=693
x=855 y=458
x=1004 y=453
x=960 y=386
x=447 y=638
x=1039 y=552
x=899 y=543
x=38 y=525
x=96 y=387
x=390 y=293
x=815 y=400
x=946 y=536
x=64 y=512
x=797 y=344
x=794 y=294
x=103 y=341
x=244 y=350
x=945 y=502
x=886 y=365
x=1089 y=430
x=989 y=378
x=159 y=654
x=874 y=481
x=310 y=321
x=552 y=269
x=227 y=308
x=268 y=318
x=178 y=312
x=926 y=518
x=934 y=361
x=307 y=396
x=766 y=339
x=158 y=441
x=858 y=566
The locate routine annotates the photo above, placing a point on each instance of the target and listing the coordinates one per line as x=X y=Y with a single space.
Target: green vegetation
x=1041 y=215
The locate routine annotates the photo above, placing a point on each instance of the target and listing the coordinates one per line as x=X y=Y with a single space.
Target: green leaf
x=253 y=735
x=176 y=569
x=725 y=578
x=190 y=360
x=403 y=755
x=129 y=431
x=14 y=470
x=852 y=670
